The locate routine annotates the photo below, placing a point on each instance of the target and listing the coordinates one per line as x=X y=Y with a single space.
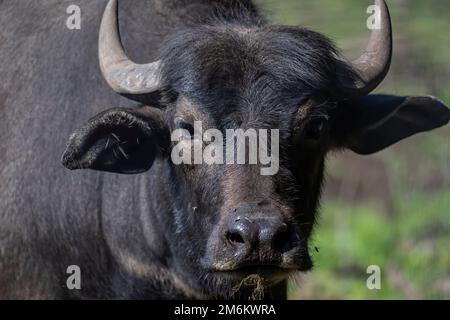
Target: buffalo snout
x=245 y=235
x=251 y=238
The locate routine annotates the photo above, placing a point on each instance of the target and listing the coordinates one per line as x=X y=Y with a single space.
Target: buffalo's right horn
x=373 y=65
x=123 y=75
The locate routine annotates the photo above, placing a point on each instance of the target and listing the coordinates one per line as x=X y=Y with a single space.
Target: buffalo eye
x=315 y=129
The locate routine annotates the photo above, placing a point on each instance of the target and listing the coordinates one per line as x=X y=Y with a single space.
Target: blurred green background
x=391 y=209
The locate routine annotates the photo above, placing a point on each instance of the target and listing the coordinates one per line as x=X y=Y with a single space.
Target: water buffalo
x=176 y=231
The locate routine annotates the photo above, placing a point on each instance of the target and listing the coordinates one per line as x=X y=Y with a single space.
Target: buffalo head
x=230 y=225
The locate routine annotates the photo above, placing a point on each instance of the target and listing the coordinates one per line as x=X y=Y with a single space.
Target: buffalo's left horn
x=123 y=75
x=373 y=66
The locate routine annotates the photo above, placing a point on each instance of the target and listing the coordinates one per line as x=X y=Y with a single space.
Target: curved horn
x=123 y=75
x=372 y=67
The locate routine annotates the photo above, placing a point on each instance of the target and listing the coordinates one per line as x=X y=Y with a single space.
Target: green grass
x=411 y=249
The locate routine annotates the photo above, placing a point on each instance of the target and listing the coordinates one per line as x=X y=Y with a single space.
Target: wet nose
x=263 y=234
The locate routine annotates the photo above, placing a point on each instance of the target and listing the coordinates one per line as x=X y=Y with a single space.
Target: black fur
x=154 y=235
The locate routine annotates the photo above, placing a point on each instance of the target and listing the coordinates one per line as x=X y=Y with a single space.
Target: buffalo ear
x=369 y=124
x=117 y=140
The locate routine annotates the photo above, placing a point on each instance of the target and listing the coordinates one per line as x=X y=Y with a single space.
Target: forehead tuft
x=224 y=65
x=233 y=55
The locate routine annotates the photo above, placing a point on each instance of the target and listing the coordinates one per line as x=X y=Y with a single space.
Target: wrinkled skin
x=159 y=234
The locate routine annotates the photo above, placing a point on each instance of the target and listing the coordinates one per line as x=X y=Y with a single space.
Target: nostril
x=282 y=239
x=234 y=237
